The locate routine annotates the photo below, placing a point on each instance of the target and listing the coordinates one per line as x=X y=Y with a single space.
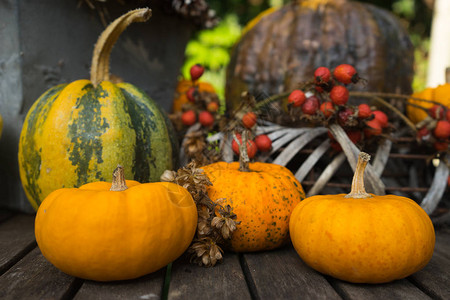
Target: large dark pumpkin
x=77 y=133
x=281 y=48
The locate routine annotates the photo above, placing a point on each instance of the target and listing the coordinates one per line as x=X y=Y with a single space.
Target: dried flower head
x=205 y=252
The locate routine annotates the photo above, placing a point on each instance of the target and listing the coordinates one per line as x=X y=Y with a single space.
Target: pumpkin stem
x=243 y=154
x=103 y=47
x=358 y=191
x=118 y=181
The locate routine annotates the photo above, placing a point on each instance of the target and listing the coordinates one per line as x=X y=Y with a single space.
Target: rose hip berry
x=346 y=74
x=249 y=120
x=322 y=75
x=188 y=118
x=440 y=146
x=442 y=130
x=191 y=94
x=212 y=106
x=437 y=112
x=364 y=111
x=296 y=98
x=373 y=128
x=339 y=95
x=251 y=147
x=196 y=71
x=344 y=116
x=381 y=117
x=206 y=118
x=327 y=108
x=263 y=142
x=311 y=105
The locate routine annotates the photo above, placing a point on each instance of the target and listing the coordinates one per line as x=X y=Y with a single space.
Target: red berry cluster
x=202 y=110
x=436 y=128
x=328 y=102
x=260 y=143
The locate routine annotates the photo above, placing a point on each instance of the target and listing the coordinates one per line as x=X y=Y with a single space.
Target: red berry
x=440 y=146
x=196 y=71
x=364 y=111
x=339 y=95
x=188 y=118
x=336 y=146
x=437 y=112
x=251 y=147
x=447 y=115
x=311 y=105
x=381 y=117
x=249 y=120
x=346 y=74
x=354 y=135
x=442 y=130
x=373 y=128
x=191 y=94
x=327 y=108
x=344 y=116
x=297 y=98
x=213 y=106
x=423 y=132
x=322 y=75
x=206 y=118
x=263 y=142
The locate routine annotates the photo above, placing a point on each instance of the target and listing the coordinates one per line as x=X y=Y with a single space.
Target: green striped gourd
x=79 y=132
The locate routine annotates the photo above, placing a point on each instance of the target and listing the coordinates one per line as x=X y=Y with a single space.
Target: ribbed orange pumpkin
x=96 y=233
x=282 y=47
x=262 y=198
x=183 y=86
x=439 y=94
x=361 y=237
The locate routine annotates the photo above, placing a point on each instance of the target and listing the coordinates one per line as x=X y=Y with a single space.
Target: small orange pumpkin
x=440 y=94
x=115 y=231
x=262 y=196
x=361 y=237
x=183 y=86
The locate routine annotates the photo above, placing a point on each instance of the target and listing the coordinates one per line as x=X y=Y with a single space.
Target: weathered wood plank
x=443 y=243
x=146 y=287
x=434 y=279
x=16 y=239
x=34 y=277
x=399 y=289
x=281 y=274
x=223 y=281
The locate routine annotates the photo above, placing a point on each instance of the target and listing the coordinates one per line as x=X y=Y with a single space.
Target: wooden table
x=279 y=274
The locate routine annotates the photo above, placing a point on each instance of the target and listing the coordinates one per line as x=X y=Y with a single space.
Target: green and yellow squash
x=77 y=133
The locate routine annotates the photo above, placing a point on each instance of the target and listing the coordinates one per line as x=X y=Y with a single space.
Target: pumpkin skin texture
x=262 y=199
x=183 y=86
x=77 y=133
x=440 y=94
x=369 y=240
x=282 y=47
x=103 y=235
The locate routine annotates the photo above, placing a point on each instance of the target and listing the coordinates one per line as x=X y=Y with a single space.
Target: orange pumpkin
x=183 y=86
x=262 y=196
x=360 y=237
x=124 y=230
x=440 y=94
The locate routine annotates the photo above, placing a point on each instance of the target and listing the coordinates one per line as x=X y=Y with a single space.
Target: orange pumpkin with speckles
x=262 y=198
